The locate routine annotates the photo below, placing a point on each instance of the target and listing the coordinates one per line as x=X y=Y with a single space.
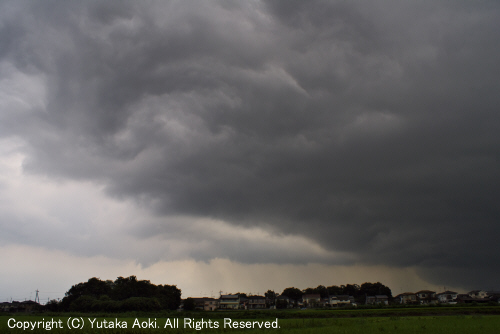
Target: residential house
x=206 y=304
x=243 y=301
x=283 y=301
x=377 y=299
x=478 y=294
x=311 y=300
x=341 y=300
x=211 y=304
x=494 y=296
x=449 y=297
x=29 y=306
x=325 y=301
x=426 y=297
x=465 y=298
x=229 y=302
x=406 y=298
x=15 y=306
x=5 y=307
x=255 y=302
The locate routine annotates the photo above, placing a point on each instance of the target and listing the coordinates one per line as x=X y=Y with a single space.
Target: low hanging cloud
x=369 y=129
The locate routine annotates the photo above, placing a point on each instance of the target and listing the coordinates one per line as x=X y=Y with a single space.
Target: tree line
x=131 y=294
x=359 y=292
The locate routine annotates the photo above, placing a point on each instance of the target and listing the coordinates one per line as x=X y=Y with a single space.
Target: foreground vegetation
x=429 y=324
x=482 y=319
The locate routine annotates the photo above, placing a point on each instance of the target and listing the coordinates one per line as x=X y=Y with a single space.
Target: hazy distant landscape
x=129 y=305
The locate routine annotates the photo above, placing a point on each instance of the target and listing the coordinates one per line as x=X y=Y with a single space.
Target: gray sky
x=264 y=136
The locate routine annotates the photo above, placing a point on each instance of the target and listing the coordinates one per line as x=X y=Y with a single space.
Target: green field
x=453 y=320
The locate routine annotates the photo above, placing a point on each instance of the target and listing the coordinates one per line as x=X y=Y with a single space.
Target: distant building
x=406 y=298
x=15 y=306
x=255 y=302
x=341 y=300
x=229 y=302
x=465 y=298
x=206 y=303
x=5 y=307
x=494 y=296
x=426 y=297
x=377 y=299
x=311 y=300
x=478 y=294
x=283 y=301
x=448 y=297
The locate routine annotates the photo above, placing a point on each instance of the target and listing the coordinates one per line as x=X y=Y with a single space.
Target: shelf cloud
x=263 y=132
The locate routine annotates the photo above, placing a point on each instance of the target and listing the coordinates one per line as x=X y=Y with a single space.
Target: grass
x=417 y=320
x=428 y=324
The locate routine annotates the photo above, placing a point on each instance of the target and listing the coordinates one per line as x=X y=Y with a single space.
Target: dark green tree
x=124 y=294
x=281 y=304
x=169 y=296
x=350 y=289
x=84 y=303
x=335 y=290
x=308 y=291
x=53 y=305
x=124 y=288
x=321 y=289
x=270 y=297
x=144 y=304
x=372 y=289
x=292 y=293
x=189 y=304
x=94 y=288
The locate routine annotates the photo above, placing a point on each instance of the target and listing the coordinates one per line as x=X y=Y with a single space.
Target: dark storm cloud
x=368 y=127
